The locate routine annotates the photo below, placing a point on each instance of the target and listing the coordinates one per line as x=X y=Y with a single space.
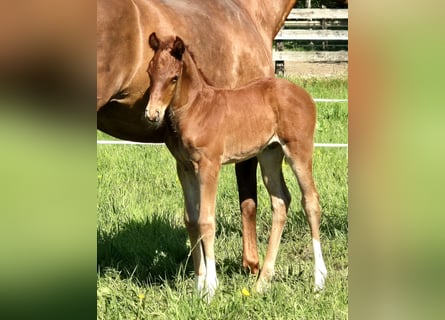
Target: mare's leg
x=190 y=189
x=271 y=161
x=247 y=189
x=208 y=172
x=299 y=156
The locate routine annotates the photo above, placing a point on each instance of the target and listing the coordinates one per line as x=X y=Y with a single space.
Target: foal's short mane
x=192 y=57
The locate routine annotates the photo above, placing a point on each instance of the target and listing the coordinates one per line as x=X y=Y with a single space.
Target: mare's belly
x=128 y=123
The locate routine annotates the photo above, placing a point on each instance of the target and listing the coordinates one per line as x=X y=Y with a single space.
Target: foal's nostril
x=153 y=117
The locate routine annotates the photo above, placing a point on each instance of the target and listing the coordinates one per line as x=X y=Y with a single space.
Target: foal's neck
x=190 y=87
x=192 y=81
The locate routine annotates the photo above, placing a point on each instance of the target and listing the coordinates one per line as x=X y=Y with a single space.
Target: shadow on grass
x=152 y=251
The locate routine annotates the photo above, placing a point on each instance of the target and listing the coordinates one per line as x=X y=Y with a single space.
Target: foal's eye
x=174 y=79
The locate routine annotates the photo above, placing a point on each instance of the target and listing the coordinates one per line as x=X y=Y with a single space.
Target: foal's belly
x=245 y=148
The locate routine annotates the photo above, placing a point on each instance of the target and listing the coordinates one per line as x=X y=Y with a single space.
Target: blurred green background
x=396 y=136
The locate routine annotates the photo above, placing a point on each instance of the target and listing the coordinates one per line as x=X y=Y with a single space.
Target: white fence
x=125 y=142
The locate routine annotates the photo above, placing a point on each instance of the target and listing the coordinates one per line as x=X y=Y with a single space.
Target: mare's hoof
x=253 y=267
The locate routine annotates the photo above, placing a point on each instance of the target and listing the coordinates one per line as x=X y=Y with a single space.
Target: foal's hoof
x=261 y=286
x=320 y=278
x=207 y=294
x=264 y=280
x=206 y=289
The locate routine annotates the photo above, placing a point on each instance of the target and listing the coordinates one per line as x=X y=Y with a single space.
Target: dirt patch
x=316 y=70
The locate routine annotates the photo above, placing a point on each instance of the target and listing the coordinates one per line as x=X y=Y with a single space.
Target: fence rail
x=316 y=35
x=311 y=56
x=334 y=14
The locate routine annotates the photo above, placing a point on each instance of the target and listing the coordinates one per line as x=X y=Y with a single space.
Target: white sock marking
x=206 y=284
x=320 y=271
x=199 y=283
x=211 y=278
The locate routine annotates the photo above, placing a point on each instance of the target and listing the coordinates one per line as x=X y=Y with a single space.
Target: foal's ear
x=178 y=48
x=153 y=41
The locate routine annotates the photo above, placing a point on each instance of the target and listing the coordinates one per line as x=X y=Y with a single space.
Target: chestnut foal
x=268 y=118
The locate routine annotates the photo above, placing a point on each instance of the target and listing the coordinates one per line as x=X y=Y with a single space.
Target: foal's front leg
x=190 y=188
x=208 y=172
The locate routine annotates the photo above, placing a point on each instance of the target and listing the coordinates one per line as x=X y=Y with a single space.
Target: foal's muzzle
x=152 y=114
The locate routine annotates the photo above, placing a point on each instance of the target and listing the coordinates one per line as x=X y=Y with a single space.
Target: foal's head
x=164 y=71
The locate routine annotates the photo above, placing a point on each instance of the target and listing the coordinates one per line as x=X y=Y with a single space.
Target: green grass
x=144 y=268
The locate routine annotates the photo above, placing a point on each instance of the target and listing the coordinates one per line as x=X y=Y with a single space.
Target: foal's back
x=265 y=96
x=273 y=103
x=273 y=109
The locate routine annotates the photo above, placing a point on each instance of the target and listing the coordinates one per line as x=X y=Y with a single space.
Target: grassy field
x=144 y=267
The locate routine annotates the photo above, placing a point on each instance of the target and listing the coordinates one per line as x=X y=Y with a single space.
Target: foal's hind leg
x=299 y=156
x=271 y=161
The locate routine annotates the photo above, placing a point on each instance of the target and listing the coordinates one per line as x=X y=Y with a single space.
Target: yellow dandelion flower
x=141 y=296
x=245 y=292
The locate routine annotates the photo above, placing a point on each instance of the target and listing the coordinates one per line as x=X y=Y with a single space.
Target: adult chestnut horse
x=268 y=118
x=233 y=35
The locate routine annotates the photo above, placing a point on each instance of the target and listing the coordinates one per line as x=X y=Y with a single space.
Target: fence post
x=279 y=64
x=324 y=27
x=309 y=6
